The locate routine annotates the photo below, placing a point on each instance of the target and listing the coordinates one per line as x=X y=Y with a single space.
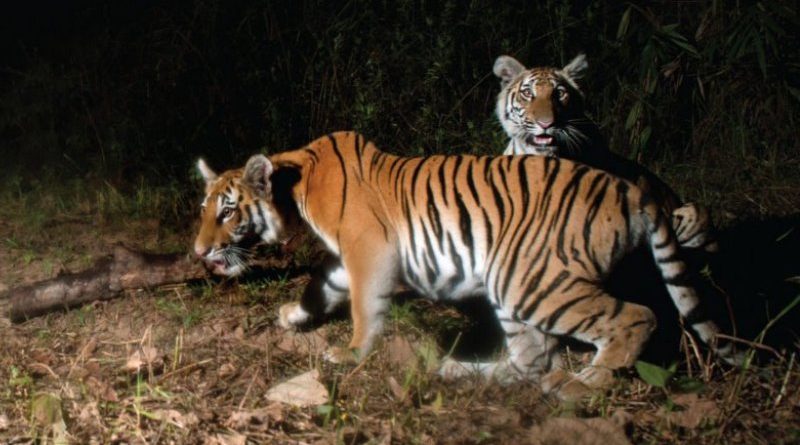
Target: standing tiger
x=542 y=111
x=535 y=235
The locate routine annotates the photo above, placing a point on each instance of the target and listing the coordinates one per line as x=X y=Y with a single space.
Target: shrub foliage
x=121 y=91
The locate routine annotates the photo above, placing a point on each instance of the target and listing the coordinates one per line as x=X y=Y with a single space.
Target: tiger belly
x=441 y=275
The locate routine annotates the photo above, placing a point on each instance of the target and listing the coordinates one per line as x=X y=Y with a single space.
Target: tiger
x=534 y=235
x=542 y=110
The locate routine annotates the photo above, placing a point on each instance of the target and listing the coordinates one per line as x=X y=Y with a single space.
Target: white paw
x=453 y=369
x=341 y=355
x=291 y=316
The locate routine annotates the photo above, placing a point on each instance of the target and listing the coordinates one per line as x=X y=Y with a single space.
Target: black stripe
x=458 y=278
x=376 y=163
x=411 y=277
x=618 y=305
x=562 y=276
x=471 y=182
x=584 y=324
x=639 y=323
x=380 y=221
x=566 y=206
x=561 y=310
x=594 y=209
x=471 y=171
x=433 y=215
x=311 y=153
x=622 y=194
x=464 y=219
x=329 y=282
x=682 y=279
x=410 y=225
x=697 y=315
x=400 y=163
x=524 y=221
x=548 y=186
x=504 y=222
x=431 y=269
x=261 y=213
x=250 y=225
x=498 y=199
x=523 y=184
x=359 y=145
x=428 y=255
x=595 y=183
x=344 y=175
x=414 y=177
x=443 y=180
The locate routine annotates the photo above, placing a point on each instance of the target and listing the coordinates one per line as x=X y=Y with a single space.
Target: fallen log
x=107 y=279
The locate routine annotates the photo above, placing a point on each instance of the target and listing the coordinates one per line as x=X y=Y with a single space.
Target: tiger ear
x=257 y=173
x=205 y=171
x=507 y=68
x=577 y=67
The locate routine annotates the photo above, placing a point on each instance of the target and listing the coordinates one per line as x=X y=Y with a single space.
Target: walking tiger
x=535 y=235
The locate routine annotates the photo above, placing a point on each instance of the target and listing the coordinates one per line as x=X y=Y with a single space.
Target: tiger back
x=535 y=235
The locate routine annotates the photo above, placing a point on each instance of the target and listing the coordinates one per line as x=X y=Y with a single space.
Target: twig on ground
x=782 y=392
x=752 y=344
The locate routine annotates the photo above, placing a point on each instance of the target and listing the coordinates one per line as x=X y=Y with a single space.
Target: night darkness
x=130 y=89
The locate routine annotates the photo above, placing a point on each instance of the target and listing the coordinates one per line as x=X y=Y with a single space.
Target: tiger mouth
x=217 y=266
x=219 y=263
x=543 y=140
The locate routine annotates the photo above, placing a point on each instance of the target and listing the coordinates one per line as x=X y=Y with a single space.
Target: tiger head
x=542 y=108
x=241 y=209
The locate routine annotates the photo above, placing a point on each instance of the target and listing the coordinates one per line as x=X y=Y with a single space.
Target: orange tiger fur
x=536 y=235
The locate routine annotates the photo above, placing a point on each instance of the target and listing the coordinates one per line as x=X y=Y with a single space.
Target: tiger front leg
x=372 y=280
x=327 y=291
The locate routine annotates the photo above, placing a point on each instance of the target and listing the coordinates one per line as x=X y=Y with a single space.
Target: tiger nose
x=544 y=123
x=201 y=251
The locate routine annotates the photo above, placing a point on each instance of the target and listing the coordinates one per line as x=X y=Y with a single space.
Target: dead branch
x=107 y=279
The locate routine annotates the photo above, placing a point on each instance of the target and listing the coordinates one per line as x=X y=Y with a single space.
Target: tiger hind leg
x=618 y=330
x=530 y=353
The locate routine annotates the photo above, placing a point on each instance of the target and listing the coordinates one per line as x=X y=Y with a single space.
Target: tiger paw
x=596 y=377
x=292 y=316
x=565 y=386
x=341 y=355
x=451 y=369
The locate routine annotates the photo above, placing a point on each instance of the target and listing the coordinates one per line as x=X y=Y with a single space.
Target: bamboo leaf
x=760 y=55
x=624 y=22
x=686 y=46
x=633 y=115
x=644 y=138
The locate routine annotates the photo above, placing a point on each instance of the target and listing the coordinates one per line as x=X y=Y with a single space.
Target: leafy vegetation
x=129 y=92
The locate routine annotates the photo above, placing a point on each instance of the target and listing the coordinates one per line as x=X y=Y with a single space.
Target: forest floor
x=195 y=363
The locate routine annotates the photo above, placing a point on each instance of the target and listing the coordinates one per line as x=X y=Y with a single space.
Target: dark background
x=125 y=92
